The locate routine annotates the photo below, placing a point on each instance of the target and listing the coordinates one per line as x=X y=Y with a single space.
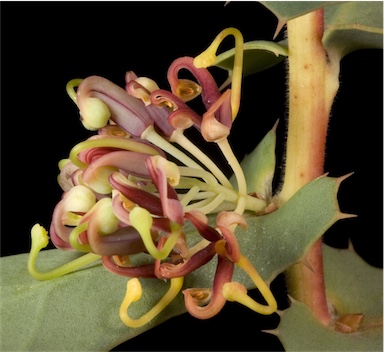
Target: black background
x=46 y=44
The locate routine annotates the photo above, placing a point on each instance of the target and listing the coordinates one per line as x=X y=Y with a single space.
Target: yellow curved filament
x=70 y=88
x=133 y=294
x=239 y=174
x=208 y=57
x=209 y=205
x=141 y=220
x=234 y=291
x=179 y=137
x=152 y=136
x=74 y=235
x=40 y=240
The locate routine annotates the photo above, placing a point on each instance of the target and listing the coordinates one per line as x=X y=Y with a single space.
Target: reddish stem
x=311 y=92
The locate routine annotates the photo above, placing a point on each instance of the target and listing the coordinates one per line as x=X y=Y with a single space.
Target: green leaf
x=258 y=56
x=353 y=286
x=353 y=26
x=79 y=311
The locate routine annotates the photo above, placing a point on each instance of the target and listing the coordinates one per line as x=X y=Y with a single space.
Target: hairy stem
x=311 y=92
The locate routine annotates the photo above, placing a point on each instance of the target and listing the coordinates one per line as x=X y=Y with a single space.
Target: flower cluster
x=133 y=186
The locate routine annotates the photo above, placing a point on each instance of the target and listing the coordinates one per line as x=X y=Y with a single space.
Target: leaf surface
x=352 y=26
x=258 y=56
x=353 y=286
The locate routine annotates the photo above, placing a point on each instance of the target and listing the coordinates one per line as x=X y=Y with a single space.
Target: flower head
x=134 y=186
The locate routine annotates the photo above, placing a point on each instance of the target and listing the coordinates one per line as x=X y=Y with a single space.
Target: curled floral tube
x=140 y=87
x=164 y=172
x=234 y=291
x=181 y=116
x=224 y=272
x=136 y=195
x=209 y=90
x=212 y=129
x=141 y=271
x=169 y=270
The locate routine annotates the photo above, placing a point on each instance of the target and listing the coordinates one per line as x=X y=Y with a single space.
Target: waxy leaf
x=288 y=10
x=79 y=311
x=353 y=286
x=258 y=56
x=352 y=26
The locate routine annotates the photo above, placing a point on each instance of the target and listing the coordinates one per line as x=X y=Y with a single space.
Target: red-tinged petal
x=224 y=221
x=124 y=241
x=224 y=272
x=126 y=111
x=136 y=195
x=229 y=218
x=142 y=88
x=130 y=76
x=210 y=92
x=212 y=128
x=181 y=116
x=142 y=271
x=159 y=223
x=232 y=248
x=90 y=155
x=200 y=221
x=170 y=203
x=96 y=175
x=138 y=91
x=169 y=270
x=160 y=115
x=139 y=87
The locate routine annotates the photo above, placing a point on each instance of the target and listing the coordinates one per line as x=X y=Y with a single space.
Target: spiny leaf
x=348 y=25
x=288 y=10
x=79 y=311
x=353 y=286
